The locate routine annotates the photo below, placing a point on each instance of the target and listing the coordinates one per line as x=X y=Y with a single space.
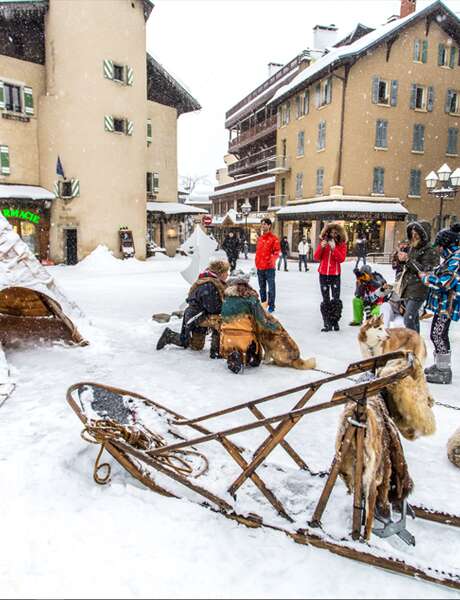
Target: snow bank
x=102 y=260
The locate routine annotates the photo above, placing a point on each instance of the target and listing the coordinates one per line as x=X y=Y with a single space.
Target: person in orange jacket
x=267 y=251
x=330 y=253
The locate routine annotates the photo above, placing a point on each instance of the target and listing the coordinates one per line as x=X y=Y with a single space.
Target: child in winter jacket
x=371 y=289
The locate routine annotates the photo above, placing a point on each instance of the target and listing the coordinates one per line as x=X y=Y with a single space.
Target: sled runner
x=180 y=457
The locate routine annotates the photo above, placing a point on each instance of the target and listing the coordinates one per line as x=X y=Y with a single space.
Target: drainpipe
x=344 y=81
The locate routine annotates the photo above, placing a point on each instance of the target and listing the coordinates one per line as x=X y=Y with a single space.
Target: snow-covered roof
x=244 y=186
x=343 y=54
x=29 y=192
x=174 y=208
x=335 y=208
x=237 y=218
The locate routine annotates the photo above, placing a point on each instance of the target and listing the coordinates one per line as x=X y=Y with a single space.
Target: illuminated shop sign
x=24 y=215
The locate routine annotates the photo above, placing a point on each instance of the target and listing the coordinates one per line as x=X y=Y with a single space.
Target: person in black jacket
x=284 y=253
x=204 y=301
x=231 y=246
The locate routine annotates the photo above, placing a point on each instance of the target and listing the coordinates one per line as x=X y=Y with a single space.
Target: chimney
x=324 y=36
x=273 y=68
x=407 y=7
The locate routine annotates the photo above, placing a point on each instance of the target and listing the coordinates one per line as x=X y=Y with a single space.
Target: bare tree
x=189 y=182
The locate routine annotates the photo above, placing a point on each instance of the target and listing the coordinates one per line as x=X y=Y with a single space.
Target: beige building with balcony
x=361 y=127
x=92 y=97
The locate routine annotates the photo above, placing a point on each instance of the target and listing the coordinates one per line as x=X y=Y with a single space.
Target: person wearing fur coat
x=330 y=253
x=242 y=319
x=204 y=301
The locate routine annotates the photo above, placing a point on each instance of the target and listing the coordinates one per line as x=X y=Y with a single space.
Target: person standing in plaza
x=267 y=251
x=231 y=246
x=284 y=253
x=330 y=253
x=303 y=250
x=361 y=250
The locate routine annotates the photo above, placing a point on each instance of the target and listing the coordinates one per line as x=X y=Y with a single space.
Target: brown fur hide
x=409 y=401
x=386 y=478
x=453 y=448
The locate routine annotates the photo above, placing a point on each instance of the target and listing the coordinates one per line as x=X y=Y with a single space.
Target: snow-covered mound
x=102 y=260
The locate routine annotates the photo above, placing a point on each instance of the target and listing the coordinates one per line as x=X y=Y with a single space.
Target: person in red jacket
x=267 y=251
x=330 y=253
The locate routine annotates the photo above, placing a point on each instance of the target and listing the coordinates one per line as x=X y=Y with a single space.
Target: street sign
x=206 y=220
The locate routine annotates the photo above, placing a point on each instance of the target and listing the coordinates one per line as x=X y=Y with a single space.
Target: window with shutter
x=321 y=143
x=119 y=125
x=417 y=51
x=442 y=55
x=156 y=182
x=129 y=127
x=298 y=106
x=452 y=141
x=12 y=97
x=378 y=181
x=149 y=132
x=118 y=73
x=108 y=68
x=299 y=185
x=300 y=143
x=4 y=160
x=452 y=102
x=2 y=96
x=425 y=51
x=453 y=57
x=318 y=95
x=418 y=138
x=414 y=182
x=129 y=75
x=319 y=181
x=306 y=102
x=28 y=101
x=430 y=100
x=419 y=97
x=108 y=123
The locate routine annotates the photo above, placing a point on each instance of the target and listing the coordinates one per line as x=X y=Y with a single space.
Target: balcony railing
x=253 y=162
x=278 y=164
x=276 y=201
x=253 y=133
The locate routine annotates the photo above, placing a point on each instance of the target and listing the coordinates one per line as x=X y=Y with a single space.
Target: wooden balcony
x=253 y=134
x=253 y=163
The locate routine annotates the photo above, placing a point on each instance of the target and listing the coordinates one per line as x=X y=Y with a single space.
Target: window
x=324 y=92
x=452 y=140
x=299 y=185
x=300 y=143
x=321 y=143
x=414 y=182
x=301 y=102
x=384 y=92
x=319 y=181
x=381 y=134
x=12 y=94
x=420 y=51
x=443 y=59
x=285 y=113
x=422 y=97
x=119 y=125
x=306 y=102
x=65 y=189
x=4 y=160
x=152 y=183
x=378 y=182
x=298 y=106
x=118 y=73
x=453 y=102
x=149 y=132
x=418 y=138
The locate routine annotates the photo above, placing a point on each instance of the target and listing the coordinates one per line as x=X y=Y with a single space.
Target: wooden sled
x=179 y=457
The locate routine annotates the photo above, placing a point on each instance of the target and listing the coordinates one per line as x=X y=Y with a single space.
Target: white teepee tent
x=202 y=250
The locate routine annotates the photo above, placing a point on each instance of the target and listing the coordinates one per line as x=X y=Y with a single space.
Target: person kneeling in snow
x=371 y=289
x=204 y=305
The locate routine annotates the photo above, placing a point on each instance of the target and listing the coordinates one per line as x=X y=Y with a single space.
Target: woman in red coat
x=330 y=253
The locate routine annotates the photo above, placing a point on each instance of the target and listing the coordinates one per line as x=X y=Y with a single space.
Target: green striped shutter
x=375 y=89
x=441 y=51
x=430 y=101
x=2 y=96
x=129 y=127
x=4 y=160
x=28 y=101
x=149 y=132
x=75 y=188
x=129 y=75
x=108 y=123
x=394 y=92
x=56 y=189
x=453 y=57
x=416 y=50
x=425 y=51
x=156 y=181
x=108 y=69
x=449 y=96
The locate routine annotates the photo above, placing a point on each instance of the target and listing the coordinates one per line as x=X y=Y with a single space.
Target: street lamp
x=246 y=209
x=449 y=183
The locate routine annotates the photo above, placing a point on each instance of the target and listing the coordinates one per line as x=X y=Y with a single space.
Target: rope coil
x=104 y=431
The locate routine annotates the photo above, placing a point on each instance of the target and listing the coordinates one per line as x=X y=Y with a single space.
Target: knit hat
x=219 y=267
x=238 y=277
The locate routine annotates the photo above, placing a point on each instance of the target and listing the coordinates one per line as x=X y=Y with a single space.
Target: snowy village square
x=230 y=299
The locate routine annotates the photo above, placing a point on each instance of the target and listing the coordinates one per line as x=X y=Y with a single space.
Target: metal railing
x=278 y=164
x=253 y=160
x=277 y=200
x=253 y=133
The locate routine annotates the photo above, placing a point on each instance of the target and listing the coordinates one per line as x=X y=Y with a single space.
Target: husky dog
x=386 y=478
x=375 y=340
x=280 y=349
x=409 y=401
x=453 y=448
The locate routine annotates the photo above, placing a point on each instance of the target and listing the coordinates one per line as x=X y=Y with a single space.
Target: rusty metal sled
x=179 y=457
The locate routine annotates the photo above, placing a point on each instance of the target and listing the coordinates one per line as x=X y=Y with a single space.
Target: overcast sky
x=220 y=50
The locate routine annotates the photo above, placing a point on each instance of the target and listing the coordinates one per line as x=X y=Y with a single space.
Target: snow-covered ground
x=65 y=536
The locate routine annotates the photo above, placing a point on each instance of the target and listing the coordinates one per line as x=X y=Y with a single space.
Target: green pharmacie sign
x=24 y=215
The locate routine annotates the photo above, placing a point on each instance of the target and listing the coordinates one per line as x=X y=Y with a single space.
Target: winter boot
x=169 y=337
x=325 y=312
x=431 y=369
x=335 y=313
x=234 y=362
x=253 y=356
x=442 y=372
x=215 y=345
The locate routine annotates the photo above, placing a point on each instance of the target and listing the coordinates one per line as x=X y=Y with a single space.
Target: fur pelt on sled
x=386 y=478
x=409 y=401
x=453 y=448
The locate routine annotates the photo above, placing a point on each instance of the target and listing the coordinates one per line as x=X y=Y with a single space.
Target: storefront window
x=29 y=236
x=373 y=231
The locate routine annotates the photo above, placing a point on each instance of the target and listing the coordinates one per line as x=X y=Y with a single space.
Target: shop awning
x=344 y=210
x=24 y=192
x=174 y=208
